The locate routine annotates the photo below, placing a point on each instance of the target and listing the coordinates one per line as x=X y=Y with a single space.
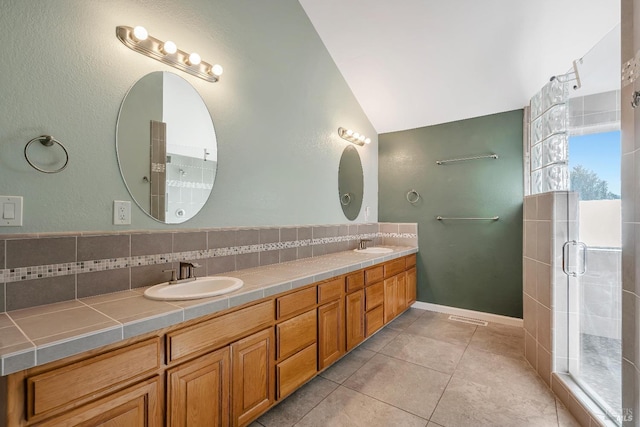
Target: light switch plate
x=10 y=211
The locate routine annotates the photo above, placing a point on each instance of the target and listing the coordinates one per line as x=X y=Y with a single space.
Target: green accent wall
x=475 y=265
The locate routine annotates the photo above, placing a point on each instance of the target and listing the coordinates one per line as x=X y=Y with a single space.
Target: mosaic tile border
x=53 y=270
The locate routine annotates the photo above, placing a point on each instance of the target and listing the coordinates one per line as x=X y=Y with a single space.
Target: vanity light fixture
x=353 y=137
x=138 y=39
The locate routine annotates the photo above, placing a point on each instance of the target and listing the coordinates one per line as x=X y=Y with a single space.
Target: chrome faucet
x=186 y=273
x=363 y=243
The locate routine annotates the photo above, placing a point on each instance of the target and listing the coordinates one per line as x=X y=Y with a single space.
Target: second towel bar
x=488 y=156
x=493 y=218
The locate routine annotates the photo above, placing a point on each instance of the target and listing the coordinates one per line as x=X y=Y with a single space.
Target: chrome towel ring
x=345 y=199
x=413 y=196
x=47 y=141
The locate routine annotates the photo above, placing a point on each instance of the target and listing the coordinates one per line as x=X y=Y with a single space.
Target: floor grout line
x=435 y=408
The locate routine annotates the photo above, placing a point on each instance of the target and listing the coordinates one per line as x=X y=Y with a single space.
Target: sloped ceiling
x=414 y=63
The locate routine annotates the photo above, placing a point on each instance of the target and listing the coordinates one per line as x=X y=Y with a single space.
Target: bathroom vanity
x=224 y=368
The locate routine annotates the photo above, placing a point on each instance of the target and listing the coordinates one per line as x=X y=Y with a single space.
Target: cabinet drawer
x=374 y=296
x=297 y=302
x=410 y=261
x=136 y=406
x=355 y=281
x=295 y=334
x=296 y=370
x=394 y=267
x=91 y=378
x=215 y=333
x=375 y=320
x=330 y=291
x=373 y=275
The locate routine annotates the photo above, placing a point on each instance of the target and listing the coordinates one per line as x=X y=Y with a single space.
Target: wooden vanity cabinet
x=220 y=370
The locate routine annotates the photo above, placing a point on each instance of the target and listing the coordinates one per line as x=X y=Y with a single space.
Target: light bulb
x=367 y=141
x=140 y=33
x=169 y=47
x=356 y=135
x=361 y=138
x=216 y=70
x=194 y=59
x=349 y=132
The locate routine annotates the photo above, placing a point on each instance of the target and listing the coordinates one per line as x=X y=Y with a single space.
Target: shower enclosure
x=575 y=153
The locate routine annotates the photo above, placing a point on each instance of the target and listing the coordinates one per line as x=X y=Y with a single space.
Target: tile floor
x=425 y=370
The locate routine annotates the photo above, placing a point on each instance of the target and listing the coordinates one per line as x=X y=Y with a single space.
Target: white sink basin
x=202 y=287
x=374 y=250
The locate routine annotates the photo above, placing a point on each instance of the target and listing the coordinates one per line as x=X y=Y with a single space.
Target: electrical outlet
x=121 y=212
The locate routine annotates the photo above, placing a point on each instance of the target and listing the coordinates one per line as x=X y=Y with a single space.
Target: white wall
x=276 y=110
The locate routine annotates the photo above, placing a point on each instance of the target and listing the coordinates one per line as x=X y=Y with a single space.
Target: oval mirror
x=166 y=147
x=350 y=183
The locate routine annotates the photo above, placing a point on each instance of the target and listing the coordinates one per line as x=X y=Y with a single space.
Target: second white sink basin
x=374 y=250
x=202 y=287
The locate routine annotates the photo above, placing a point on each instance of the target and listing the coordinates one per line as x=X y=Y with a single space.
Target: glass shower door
x=592 y=253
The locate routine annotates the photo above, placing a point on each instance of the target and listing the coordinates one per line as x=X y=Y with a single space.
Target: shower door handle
x=565 y=258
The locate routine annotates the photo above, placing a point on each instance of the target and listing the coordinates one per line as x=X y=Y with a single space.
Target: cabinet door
x=354 y=309
x=411 y=285
x=330 y=333
x=390 y=298
x=198 y=391
x=136 y=406
x=401 y=299
x=252 y=376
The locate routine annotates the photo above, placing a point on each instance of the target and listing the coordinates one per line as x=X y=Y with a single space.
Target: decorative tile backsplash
x=42 y=270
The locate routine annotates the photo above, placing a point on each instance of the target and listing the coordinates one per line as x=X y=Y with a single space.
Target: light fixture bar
x=168 y=53
x=353 y=137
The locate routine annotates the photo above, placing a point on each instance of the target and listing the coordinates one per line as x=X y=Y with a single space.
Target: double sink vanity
x=231 y=362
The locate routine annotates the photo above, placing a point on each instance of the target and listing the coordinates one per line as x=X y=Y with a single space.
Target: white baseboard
x=489 y=317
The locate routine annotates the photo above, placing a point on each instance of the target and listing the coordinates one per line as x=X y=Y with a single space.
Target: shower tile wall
x=545 y=284
x=188 y=185
x=599 y=112
x=537 y=277
x=48 y=269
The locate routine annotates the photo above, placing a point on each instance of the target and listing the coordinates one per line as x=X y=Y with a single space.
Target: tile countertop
x=38 y=335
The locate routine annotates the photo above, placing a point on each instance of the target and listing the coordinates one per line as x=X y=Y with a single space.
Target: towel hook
x=413 y=196
x=345 y=199
x=47 y=141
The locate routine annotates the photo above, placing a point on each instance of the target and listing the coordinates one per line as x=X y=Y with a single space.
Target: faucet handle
x=174 y=277
x=193 y=269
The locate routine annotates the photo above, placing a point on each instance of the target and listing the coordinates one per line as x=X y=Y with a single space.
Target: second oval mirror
x=167 y=147
x=350 y=183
